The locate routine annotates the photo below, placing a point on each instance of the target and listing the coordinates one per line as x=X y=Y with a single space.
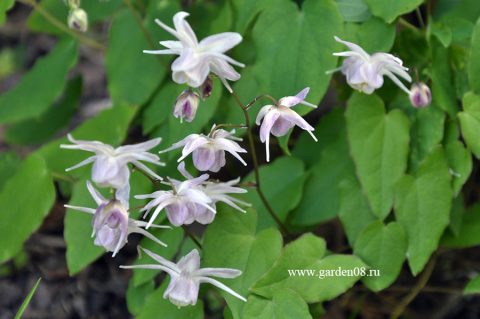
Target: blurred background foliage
x=387 y=186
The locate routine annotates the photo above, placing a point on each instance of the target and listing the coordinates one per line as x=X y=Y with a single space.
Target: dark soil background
x=99 y=291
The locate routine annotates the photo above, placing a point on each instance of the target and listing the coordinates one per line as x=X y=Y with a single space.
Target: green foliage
x=27 y=300
x=353 y=10
x=389 y=10
x=473 y=286
x=321 y=195
x=35 y=93
x=470 y=122
x=23 y=206
x=128 y=82
x=312 y=29
x=232 y=241
x=308 y=252
x=4 y=7
x=284 y=196
x=473 y=65
x=382 y=247
x=285 y=304
x=422 y=207
x=379 y=147
x=38 y=130
x=469 y=230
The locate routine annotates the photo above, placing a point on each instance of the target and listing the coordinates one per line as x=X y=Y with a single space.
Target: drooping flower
x=365 y=72
x=197 y=59
x=110 y=165
x=179 y=203
x=186 y=105
x=186 y=277
x=111 y=222
x=420 y=95
x=278 y=119
x=217 y=192
x=208 y=151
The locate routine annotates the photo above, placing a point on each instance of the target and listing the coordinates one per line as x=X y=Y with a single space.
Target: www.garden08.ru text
x=338 y=272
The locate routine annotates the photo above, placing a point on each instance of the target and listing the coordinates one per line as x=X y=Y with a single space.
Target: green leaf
x=39 y=88
x=321 y=197
x=132 y=75
x=137 y=295
x=39 y=130
x=383 y=248
x=442 y=32
x=426 y=133
x=473 y=286
x=470 y=122
x=443 y=89
x=473 y=65
x=4 y=7
x=161 y=107
x=355 y=213
x=9 y=162
x=353 y=10
x=460 y=163
x=422 y=207
x=282 y=184
x=469 y=232
x=374 y=35
x=389 y=10
x=283 y=69
x=232 y=241
x=110 y=126
x=379 y=147
x=285 y=304
x=247 y=10
x=24 y=206
x=155 y=305
x=27 y=300
x=307 y=253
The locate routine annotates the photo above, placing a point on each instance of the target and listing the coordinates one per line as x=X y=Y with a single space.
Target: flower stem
x=57 y=23
x=251 y=143
x=155 y=182
x=407 y=24
x=261 y=97
x=415 y=290
x=192 y=237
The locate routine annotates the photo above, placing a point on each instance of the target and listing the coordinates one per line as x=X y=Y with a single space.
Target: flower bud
x=206 y=88
x=420 y=95
x=186 y=105
x=78 y=20
x=110 y=226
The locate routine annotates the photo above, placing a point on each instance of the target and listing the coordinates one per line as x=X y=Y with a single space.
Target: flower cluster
x=195 y=199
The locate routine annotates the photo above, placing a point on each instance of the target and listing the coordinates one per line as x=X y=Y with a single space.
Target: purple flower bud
x=420 y=95
x=110 y=226
x=206 y=88
x=186 y=105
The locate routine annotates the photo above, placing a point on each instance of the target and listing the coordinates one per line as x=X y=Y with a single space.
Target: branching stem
x=251 y=143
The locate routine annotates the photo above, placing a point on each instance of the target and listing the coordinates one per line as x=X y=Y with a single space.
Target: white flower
x=217 y=192
x=111 y=223
x=209 y=151
x=110 y=165
x=197 y=59
x=186 y=277
x=365 y=72
x=179 y=202
x=278 y=119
